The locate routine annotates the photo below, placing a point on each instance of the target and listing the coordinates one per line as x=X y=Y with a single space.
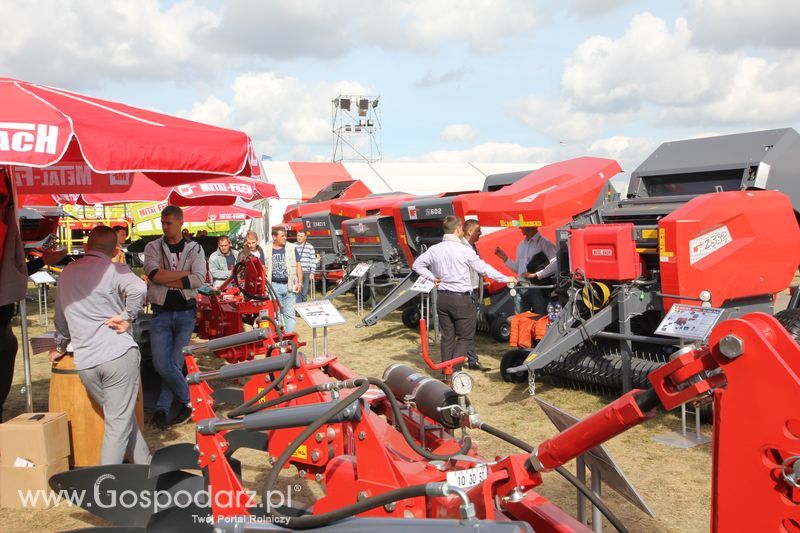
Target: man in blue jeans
x=176 y=267
x=285 y=273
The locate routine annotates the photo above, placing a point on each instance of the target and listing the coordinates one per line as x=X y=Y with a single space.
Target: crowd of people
x=98 y=297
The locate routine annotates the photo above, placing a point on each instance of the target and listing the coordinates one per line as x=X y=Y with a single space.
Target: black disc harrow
x=598 y=372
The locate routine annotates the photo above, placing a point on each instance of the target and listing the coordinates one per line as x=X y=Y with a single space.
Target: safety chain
x=531 y=382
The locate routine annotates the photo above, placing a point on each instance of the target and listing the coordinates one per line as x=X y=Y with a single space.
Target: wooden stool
x=85 y=417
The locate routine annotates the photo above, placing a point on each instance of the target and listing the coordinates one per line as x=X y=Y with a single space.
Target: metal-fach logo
x=28 y=137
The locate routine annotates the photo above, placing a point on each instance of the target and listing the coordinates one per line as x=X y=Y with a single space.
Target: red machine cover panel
x=734 y=244
x=604 y=252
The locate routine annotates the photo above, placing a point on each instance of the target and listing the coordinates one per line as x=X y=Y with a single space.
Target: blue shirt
x=280 y=274
x=450 y=261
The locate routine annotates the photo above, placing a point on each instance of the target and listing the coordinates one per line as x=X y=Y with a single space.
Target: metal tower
x=356 y=126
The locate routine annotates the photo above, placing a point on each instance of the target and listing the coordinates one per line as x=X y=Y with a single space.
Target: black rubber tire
x=790 y=320
x=511 y=359
x=500 y=329
x=411 y=317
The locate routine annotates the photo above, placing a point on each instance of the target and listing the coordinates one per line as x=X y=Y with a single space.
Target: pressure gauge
x=461 y=382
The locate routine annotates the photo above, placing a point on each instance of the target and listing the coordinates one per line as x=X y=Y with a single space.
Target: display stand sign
x=360 y=270
x=42 y=279
x=693 y=323
x=689 y=322
x=422 y=285
x=319 y=314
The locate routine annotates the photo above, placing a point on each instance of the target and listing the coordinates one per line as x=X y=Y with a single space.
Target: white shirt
x=526 y=249
x=450 y=261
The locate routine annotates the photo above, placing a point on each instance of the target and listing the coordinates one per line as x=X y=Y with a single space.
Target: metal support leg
x=314 y=342
x=433 y=307
x=580 y=473
x=597 y=516
x=46 y=318
x=626 y=346
x=424 y=309
x=39 y=300
x=26 y=354
x=325 y=341
x=683 y=419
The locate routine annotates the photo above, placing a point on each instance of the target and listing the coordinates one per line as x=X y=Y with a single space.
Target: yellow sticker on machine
x=487 y=301
x=531 y=357
x=301 y=452
x=649 y=234
x=662 y=245
x=520 y=223
x=259 y=390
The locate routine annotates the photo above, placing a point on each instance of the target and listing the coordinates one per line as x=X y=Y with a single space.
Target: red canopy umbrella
x=43 y=126
x=85 y=144
x=215 y=191
x=219 y=213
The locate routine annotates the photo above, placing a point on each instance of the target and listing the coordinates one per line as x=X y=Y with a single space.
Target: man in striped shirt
x=308 y=259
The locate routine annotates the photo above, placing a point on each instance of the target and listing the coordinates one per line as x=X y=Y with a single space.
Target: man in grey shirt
x=96 y=300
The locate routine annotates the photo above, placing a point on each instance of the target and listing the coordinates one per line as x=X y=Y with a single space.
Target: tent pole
x=26 y=354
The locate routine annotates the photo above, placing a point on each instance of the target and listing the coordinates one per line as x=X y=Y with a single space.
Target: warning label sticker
x=301 y=452
x=707 y=244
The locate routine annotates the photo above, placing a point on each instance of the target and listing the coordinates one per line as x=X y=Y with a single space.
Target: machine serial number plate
x=468 y=478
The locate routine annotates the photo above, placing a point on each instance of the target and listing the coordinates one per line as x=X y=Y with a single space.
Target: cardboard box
x=41 y=438
x=32 y=481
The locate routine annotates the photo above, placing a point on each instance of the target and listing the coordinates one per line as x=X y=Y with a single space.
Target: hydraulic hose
x=283 y=399
x=401 y=424
x=566 y=474
x=242 y=409
x=340 y=406
x=310 y=521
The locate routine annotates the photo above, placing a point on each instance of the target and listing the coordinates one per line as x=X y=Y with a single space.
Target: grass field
x=674 y=482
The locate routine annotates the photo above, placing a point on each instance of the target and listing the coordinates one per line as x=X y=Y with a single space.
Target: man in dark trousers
x=176 y=268
x=472 y=233
x=448 y=265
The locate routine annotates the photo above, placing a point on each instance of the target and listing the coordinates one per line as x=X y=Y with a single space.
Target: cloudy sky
x=459 y=80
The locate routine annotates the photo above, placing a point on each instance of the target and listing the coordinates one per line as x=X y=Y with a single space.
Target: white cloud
x=492 y=152
x=449 y=76
x=83 y=43
x=556 y=118
x=657 y=68
x=734 y=24
x=648 y=63
x=459 y=133
x=211 y=111
x=629 y=152
x=280 y=113
x=593 y=8
x=319 y=28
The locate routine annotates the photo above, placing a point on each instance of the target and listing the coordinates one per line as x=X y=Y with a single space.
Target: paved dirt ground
x=674 y=482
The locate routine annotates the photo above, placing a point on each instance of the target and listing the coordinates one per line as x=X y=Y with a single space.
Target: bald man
x=96 y=301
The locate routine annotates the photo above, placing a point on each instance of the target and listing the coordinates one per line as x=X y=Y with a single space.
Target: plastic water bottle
x=557 y=310
x=550 y=312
